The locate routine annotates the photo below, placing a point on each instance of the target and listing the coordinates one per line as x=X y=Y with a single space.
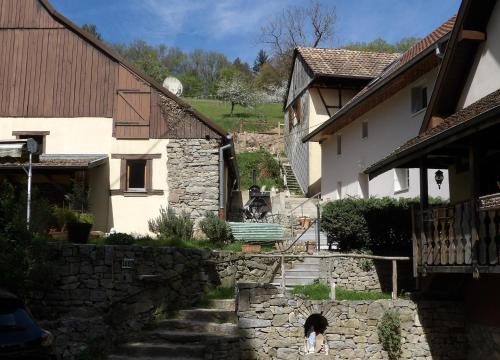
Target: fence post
x=333 y=294
x=282 y=271
x=394 y=279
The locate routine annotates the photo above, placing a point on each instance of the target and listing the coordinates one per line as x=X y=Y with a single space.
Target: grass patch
x=261 y=117
x=221 y=292
x=322 y=292
x=343 y=294
x=313 y=291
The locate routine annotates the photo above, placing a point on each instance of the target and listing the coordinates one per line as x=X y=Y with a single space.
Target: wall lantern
x=439 y=177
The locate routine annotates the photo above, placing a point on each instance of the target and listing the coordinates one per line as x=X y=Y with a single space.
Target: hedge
x=374 y=224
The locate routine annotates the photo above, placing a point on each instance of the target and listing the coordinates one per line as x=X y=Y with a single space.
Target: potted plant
x=79 y=230
x=63 y=216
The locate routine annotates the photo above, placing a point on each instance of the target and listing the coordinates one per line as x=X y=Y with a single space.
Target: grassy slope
x=259 y=118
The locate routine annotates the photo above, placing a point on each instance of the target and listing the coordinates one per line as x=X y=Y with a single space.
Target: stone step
x=161 y=350
x=198 y=326
x=223 y=304
x=188 y=337
x=209 y=315
x=299 y=272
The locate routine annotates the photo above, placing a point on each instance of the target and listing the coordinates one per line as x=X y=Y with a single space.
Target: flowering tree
x=237 y=91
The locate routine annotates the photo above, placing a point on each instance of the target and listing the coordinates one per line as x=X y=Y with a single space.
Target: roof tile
x=342 y=62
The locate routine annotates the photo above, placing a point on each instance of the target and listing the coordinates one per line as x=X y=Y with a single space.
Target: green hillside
x=261 y=117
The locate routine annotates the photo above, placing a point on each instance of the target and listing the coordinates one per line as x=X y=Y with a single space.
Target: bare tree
x=299 y=26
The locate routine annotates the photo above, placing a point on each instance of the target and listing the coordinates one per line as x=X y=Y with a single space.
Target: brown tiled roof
x=391 y=72
x=342 y=62
x=411 y=53
x=473 y=110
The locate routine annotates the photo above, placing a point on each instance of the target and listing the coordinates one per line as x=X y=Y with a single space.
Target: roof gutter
x=434 y=142
x=374 y=88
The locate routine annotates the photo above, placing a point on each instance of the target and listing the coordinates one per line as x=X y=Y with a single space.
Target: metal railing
x=317 y=221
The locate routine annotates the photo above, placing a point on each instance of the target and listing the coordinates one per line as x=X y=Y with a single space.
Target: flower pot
x=250 y=248
x=78 y=233
x=310 y=246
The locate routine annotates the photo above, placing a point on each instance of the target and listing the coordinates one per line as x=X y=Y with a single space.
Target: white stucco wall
x=481 y=81
x=390 y=124
x=94 y=136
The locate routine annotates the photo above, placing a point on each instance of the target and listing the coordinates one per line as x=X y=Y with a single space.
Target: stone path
x=194 y=334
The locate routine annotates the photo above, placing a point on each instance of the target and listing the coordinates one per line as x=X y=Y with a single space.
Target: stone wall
x=116 y=290
x=193 y=175
x=238 y=267
x=365 y=274
x=271 y=325
x=251 y=141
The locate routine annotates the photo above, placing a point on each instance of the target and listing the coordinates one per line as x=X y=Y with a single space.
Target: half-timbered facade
x=98 y=120
x=321 y=82
x=382 y=116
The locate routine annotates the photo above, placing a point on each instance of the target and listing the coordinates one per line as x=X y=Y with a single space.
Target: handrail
x=293 y=243
x=304 y=202
x=393 y=259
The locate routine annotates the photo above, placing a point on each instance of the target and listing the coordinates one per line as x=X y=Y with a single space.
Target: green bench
x=257 y=232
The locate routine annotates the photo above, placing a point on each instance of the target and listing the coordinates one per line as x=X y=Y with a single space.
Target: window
x=136 y=175
x=418 y=99
x=401 y=180
x=38 y=136
x=339 y=144
x=294 y=114
x=364 y=129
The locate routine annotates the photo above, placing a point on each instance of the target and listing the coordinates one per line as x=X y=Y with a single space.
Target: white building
x=385 y=114
x=322 y=81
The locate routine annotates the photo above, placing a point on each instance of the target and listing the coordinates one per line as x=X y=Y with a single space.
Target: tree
x=296 y=26
x=262 y=58
x=192 y=85
x=381 y=45
x=299 y=26
x=92 y=30
x=237 y=91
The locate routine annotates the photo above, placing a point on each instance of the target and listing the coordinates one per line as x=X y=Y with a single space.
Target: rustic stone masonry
x=271 y=326
x=237 y=267
x=193 y=175
x=116 y=290
x=365 y=274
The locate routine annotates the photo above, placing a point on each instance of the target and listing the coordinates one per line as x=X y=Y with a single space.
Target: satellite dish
x=173 y=85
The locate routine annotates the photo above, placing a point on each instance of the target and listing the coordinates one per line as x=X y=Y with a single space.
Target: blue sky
x=232 y=26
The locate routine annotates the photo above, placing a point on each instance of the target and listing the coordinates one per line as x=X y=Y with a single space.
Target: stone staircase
x=194 y=334
x=291 y=180
x=301 y=273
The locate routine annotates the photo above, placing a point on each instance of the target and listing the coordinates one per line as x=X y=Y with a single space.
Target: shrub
x=86 y=218
x=169 y=225
x=119 y=239
x=63 y=216
x=389 y=333
x=267 y=167
x=375 y=224
x=216 y=229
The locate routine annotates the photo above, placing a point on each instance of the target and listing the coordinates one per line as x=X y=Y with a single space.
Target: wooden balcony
x=460 y=238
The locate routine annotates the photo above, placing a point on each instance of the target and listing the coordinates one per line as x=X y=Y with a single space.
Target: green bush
x=216 y=229
x=389 y=333
x=119 y=239
x=375 y=224
x=169 y=225
x=63 y=216
x=24 y=255
x=86 y=218
x=266 y=166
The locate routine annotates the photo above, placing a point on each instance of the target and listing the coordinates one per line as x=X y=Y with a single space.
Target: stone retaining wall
x=116 y=290
x=365 y=274
x=271 y=325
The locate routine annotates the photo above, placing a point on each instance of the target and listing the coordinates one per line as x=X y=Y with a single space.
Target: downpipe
x=222 y=178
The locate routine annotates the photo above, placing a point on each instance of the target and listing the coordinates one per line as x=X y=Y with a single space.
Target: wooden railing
x=461 y=235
